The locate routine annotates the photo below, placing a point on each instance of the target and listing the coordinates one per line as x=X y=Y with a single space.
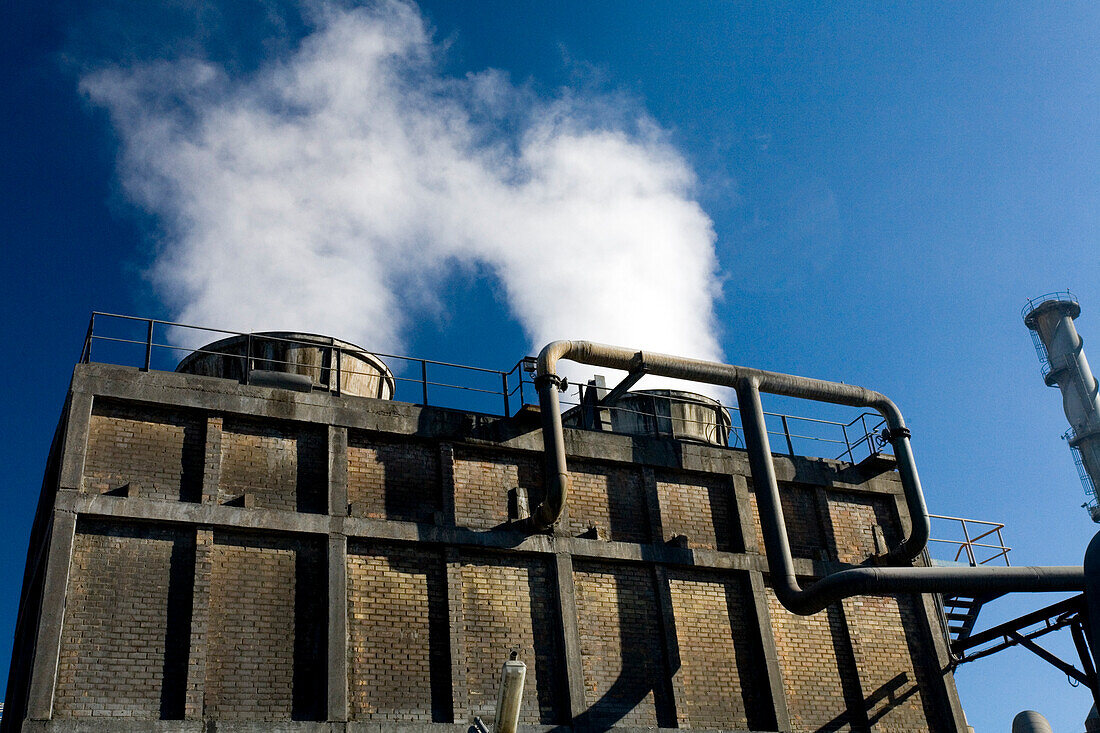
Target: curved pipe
x=749 y=383
x=697 y=370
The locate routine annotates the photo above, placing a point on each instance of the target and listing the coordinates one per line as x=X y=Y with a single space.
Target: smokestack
x=1050 y=318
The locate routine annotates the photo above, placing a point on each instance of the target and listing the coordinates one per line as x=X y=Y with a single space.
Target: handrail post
x=847 y=444
x=86 y=354
x=787 y=435
x=424 y=379
x=149 y=345
x=248 y=359
x=504 y=385
x=1001 y=542
x=969 y=545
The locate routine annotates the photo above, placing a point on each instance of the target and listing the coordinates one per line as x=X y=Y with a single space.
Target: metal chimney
x=1050 y=318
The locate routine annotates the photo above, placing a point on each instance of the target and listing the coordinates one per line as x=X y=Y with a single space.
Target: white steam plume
x=332 y=190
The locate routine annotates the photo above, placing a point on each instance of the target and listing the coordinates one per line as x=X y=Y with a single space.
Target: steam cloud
x=332 y=191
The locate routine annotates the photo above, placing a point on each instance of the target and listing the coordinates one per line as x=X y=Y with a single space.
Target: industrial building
x=264 y=538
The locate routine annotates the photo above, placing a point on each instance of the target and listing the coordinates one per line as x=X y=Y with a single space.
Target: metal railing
x=1045 y=366
x=1033 y=303
x=1091 y=504
x=967 y=540
x=860 y=437
x=154 y=344
x=145 y=342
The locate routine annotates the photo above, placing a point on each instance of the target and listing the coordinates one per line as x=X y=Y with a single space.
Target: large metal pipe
x=749 y=383
x=614 y=357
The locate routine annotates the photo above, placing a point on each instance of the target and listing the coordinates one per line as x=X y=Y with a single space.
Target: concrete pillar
x=337 y=471
x=447 y=483
x=48 y=642
x=570 y=634
x=194 y=703
x=771 y=655
x=460 y=695
x=749 y=540
x=652 y=505
x=338 y=627
x=212 y=459
x=78 y=421
x=667 y=619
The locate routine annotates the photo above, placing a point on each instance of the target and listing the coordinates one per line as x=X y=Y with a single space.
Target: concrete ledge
x=270 y=520
x=386 y=416
x=122 y=725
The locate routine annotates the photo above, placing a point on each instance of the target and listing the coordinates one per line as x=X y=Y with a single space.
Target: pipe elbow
x=547 y=362
x=549 y=511
x=886 y=407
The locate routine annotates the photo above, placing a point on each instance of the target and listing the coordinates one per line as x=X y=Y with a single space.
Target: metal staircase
x=976 y=542
x=961 y=613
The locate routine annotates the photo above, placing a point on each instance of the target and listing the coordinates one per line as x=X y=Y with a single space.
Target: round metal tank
x=671 y=413
x=306 y=355
x=1030 y=721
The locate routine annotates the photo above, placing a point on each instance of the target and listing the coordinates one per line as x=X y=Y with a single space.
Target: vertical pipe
x=553 y=441
x=773 y=528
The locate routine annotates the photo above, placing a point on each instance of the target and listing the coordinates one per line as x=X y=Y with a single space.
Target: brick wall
x=399 y=653
x=266 y=644
x=609 y=497
x=483 y=480
x=722 y=671
x=508 y=604
x=625 y=674
x=281 y=465
x=388 y=480
x=701 y=508
x=127 y=622
x=157 y=453
x=899 y=695
x=820 y=676
x=801 y=516
x=852 y=521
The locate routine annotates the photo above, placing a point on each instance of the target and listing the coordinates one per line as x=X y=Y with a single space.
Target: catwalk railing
x=155 y=344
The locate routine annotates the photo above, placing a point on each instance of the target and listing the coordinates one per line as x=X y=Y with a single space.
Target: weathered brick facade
x=399 y=641
x=253 y=556
x=722 y=666
x=145 y=451
x=266 y=629
x=127 y=622
x=507 y=605
x=272 y=465
x=626 y=675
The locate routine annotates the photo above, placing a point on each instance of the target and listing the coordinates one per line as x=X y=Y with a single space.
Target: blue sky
x=867 y=194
